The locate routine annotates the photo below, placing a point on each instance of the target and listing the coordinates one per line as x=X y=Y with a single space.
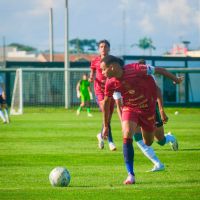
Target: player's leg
x=2 y=116
x=110 y=138
x=148 y=151
x=129 y=124
x=87 y=104
x=128 y=150
x=161 y=137
x=1 y=110
x=5 y=110
x=99 y=98
x=82 y=104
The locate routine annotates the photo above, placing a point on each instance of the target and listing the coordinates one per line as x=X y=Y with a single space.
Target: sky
x=122 y=22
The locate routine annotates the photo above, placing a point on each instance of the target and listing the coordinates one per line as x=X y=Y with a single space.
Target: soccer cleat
x=174 y=144
x=112 y=146
x=89 y=115
x=100 y=141
x=129 y=180
x=157 y=168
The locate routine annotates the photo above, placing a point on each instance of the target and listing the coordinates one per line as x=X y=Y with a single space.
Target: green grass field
x=34 y=143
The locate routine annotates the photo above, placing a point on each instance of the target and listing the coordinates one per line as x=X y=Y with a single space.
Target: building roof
x=59 y=57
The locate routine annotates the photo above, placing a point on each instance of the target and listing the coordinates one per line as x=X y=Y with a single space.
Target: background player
x=84 y=92
x=99 y=85
x=3 y=105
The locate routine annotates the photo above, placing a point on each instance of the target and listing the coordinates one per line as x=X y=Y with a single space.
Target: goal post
x=17 y=97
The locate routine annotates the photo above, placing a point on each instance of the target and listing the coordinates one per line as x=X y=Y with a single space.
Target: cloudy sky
x=122 y=22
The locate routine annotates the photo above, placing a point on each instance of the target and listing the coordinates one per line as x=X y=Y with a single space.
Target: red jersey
x=137 y=88
x=99 y=82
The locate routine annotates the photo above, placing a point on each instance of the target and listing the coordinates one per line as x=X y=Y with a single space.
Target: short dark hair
x=142 y=61
x=104 y=41
x=109 y=59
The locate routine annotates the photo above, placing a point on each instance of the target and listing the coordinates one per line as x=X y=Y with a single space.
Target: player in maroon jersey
x=138 y=90
x=99 y=85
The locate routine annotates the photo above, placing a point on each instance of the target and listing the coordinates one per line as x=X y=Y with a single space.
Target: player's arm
x=160 y=105
x=92 y=74
x=90 y=92
x=164 y=72
x=106 y=114
x=2 y=85
x=78 y=89
x=118 y=101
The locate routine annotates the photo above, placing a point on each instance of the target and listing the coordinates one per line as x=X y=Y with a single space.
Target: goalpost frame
x=19 y=78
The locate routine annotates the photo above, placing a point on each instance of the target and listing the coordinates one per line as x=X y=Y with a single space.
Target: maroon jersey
x=99 y=82
x=137 y=88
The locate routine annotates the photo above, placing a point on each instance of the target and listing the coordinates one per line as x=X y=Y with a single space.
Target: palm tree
x=145 y=43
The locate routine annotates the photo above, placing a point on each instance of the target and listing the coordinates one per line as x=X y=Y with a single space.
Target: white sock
x=149 y=152
x=6 y=115
x=169 y=138
x=2 y=116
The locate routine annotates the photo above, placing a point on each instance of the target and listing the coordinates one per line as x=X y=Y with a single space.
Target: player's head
x=85 y=76
x=111 y=65
x=142 y=61
x=104 y=47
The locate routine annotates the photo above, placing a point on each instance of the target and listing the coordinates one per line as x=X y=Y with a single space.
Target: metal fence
x=44 y=82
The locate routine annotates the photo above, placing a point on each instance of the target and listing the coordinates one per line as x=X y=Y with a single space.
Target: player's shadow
x=198 y=149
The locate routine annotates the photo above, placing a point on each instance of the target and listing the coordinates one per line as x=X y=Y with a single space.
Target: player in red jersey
x=99 y=85
x=138 y=90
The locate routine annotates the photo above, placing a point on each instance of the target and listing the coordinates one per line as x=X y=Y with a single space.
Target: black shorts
x=2 y=101
x=159 y=122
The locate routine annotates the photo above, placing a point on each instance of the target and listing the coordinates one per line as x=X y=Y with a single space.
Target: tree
x=145 y=43
x=82 y=46
x=22 y=47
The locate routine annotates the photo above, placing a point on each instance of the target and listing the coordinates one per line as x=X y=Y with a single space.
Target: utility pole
x=66 y=71
x=51 y=49
x=124 y=32
x=4 y=51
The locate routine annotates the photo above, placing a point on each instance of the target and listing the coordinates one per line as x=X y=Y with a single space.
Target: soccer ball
x=176 y=113
x=59 y=177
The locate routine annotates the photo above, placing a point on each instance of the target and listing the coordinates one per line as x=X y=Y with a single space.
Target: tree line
x=77 y=46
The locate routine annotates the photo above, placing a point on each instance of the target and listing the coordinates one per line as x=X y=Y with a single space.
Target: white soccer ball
x=176 y=113
x=59 y=177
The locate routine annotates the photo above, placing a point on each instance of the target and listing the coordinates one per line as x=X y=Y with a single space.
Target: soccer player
x=99 y=84
x=161 y=117
x=84 y=92
x=3 y=106
x=138 y=90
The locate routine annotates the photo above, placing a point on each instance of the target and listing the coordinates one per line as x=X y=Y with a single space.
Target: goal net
x=44 y=88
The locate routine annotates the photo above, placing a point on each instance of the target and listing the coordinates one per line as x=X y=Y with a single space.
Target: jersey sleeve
x=93 y=64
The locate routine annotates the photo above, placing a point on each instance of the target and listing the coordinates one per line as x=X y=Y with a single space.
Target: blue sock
x=128 y=154
x=110 y=139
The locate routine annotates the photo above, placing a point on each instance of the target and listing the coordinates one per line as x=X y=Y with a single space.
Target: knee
x=148 y=142
x=126 y=132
